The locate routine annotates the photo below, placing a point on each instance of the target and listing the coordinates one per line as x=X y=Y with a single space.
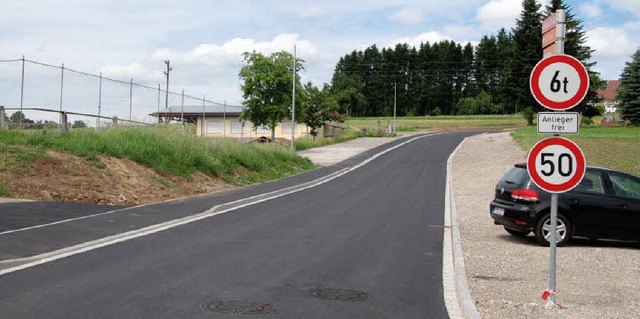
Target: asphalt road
x=365 y=244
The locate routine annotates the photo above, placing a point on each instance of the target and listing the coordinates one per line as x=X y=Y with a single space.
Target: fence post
x=2 y=124
x=63 y=118
x=22 y=90
x=115 y=121
x=64 y=126
x=159 y=120
x=99 y=103
x=130 y=99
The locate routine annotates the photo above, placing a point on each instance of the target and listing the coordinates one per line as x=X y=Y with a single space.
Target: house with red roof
x=608 y=96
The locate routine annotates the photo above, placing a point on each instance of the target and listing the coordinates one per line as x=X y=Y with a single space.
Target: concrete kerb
x=458 y=299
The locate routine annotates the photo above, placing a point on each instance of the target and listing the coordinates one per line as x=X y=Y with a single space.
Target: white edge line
x=458 y=299
x=114 y=239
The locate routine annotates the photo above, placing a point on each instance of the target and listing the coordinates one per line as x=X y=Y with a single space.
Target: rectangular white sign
x=558 y=122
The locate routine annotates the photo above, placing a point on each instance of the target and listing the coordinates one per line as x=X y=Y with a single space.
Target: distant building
x=608 y=96
x=224 y=121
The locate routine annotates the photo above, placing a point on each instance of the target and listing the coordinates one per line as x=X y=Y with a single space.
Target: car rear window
x=625 y=185
x=516 y=175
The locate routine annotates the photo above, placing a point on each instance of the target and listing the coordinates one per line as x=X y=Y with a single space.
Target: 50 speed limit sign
x=556 y=164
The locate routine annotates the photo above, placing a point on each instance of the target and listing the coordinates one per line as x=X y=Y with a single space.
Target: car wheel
x=543 y=230
x=517 y=233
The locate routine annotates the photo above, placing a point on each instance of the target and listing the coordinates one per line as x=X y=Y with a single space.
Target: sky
x=204 y=40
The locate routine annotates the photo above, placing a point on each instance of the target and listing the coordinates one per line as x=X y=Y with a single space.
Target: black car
x=605 y=205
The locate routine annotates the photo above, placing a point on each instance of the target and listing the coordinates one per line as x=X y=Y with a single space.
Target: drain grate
x=339 y=294
x=238 y=307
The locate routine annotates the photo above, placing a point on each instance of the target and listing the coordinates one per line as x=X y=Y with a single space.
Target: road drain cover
x=339 y=294
x=238 y=307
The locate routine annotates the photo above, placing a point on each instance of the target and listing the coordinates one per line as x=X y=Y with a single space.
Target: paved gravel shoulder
x=507 y=275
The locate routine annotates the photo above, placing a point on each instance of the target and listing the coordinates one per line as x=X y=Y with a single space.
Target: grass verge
x=612 y=147
x=166 y=150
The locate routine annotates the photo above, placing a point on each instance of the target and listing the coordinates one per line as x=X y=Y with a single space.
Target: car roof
x=524 y=165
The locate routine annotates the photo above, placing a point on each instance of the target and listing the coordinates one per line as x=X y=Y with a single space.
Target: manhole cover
x=239 y=307
x=339 y=294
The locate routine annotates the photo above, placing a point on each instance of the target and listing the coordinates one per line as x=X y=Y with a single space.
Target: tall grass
x=170 y=150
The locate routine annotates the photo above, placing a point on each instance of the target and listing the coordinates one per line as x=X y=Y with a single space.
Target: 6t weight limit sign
x=559 y=82
x=556 y=164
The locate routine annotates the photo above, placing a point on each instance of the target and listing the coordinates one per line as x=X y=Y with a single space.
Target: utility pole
x=395 y=98
x=293 y=102
x=166 y=73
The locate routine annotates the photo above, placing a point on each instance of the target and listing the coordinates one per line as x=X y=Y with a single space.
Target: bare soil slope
x=69 y=178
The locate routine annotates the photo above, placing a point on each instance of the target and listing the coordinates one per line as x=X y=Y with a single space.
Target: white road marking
x=114 y=239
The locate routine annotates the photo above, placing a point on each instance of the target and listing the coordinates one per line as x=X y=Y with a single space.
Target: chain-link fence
x=48 y=95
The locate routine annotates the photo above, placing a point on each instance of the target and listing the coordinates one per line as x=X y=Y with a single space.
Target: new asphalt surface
x=358 y=239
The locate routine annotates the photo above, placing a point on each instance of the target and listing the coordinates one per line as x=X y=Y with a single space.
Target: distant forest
x=446 y=77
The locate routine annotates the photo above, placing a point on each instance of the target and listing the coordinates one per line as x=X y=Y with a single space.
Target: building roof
x=610 y=92
x=193 y=110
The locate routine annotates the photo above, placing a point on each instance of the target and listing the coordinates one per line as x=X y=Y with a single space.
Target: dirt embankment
x=69 y=178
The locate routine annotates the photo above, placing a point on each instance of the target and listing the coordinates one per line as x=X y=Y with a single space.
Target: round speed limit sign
x=556 y=164
x=559 y=82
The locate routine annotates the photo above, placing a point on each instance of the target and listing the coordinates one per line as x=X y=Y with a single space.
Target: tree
x=527 y=39
x=319 y=105
x=346 y=90
x=79 y=124
x=505 y=92
x=17 y=118
x=267 y=83
x=629 y=90
x=575 y=45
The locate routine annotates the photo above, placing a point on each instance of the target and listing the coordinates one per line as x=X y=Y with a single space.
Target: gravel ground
x=507 y=275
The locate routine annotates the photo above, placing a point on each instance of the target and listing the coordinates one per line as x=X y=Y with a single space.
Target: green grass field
x=612 y=147
x=410 y=124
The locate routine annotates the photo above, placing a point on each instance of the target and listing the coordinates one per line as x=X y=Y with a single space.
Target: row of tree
x=452 y=78
x=435 y=78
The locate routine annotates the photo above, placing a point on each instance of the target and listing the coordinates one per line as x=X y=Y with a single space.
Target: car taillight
x=528 y=195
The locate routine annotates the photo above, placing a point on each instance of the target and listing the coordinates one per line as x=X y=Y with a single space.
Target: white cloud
x=632 y=6
x=461 y=33
x=230 y=52
x=312 y=12
x=134 y=71
x=591 y=10
x=407 y=15
x=498 y=14
x=610 y=42
x=632 y=25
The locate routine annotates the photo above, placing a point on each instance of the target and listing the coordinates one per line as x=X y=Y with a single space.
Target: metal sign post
x=560 y=34
x=558 y=82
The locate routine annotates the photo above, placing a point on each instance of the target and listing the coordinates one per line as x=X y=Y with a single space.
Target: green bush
x=586 y=121
x=529 y=115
